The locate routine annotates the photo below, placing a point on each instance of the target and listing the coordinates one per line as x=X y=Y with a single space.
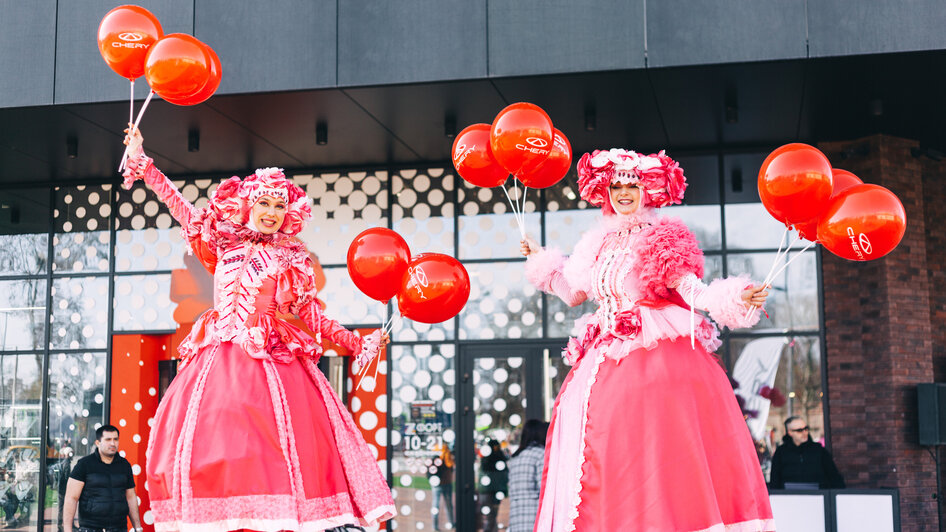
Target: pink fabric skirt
x=664 y=448
x=251 y=443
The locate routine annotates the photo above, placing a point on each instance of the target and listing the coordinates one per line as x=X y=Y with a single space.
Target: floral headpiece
x=659 y=177
x=234 y=198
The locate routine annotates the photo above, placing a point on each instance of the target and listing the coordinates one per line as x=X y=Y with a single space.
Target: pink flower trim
x=588 y=331
x=725 y=305
x=541 y=265
x=628 y=322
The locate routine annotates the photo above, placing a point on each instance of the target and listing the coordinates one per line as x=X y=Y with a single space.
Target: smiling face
x=625 y=198
x=268 y=214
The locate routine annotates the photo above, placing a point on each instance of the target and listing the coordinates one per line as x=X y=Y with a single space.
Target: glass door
x=499 y=388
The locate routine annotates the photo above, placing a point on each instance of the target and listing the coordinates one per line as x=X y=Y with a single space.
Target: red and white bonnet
x=234 y=198
x=659 y=177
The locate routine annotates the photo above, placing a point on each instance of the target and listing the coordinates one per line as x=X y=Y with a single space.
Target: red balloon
x=377 y=260
x=521 y=135
x=209 y=88
x=125 y=35
x=178 y=66
x=550 y=171
x=434 y=289
x=795 y=183
x=841 y=181
x=473 y=158
x=865 y=222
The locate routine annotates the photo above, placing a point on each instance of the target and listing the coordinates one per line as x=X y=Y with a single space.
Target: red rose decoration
x=628 y=323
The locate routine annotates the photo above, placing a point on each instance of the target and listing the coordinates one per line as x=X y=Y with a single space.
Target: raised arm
x=140 y=166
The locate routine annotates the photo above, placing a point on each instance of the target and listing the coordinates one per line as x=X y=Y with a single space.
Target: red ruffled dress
x=646 y=433
x=250 y=434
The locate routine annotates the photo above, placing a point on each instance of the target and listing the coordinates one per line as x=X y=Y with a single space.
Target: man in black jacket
x=102 y=486
x=799 y=460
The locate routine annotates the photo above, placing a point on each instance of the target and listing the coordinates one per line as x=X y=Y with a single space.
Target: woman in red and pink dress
x=250 y=434
x=646 y=433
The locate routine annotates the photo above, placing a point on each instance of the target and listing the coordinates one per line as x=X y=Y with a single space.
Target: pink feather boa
x=668 y=252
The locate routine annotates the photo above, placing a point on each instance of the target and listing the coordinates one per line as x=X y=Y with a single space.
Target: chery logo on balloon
x=535 y=146
x=857 y=243
x=537 y=142
x=418 y=279
x=130 y=36
x=462 y=153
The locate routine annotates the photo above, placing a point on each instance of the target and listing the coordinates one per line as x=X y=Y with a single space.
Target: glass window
x=20 y=438
x=793 y=299
x=143 y=303
x=76 y=402
x=488 y=229
x=24 y=229
x=147 y=237
x=80 y=313
x=345 y=303
x=344 y=205
x=423 y=435
x=750 y=226
x=81 y=241
x=503 y=304
x=778 y=377
x=22 y=314
x=703 y=220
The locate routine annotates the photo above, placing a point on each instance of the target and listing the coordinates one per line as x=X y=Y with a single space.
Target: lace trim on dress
x=184 y=494
x=576 y=498
x=287 y=441
x=240 y=273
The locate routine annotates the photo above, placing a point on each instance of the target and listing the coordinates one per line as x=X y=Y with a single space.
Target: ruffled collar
x=245 y=234
x=633 y=222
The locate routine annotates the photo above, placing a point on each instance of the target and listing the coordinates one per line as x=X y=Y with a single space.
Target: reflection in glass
x=76 y=404
x=750 y=226
x=793 y=299
x=423 y=436
x=150 y=249
x=776 y=378
x=22 y=314
x=702 y=220
x=23 y=254
x=20 y=444
x=143 y=303
x=499 y=408
x=80 y=312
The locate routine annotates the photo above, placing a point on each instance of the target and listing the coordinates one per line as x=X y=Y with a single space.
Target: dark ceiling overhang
x=687 y=109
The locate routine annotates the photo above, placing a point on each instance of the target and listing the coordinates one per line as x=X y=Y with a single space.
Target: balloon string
x=131 y=103
x=775 y=261
x=134 y=128
x=780 y=270
x=515 y=211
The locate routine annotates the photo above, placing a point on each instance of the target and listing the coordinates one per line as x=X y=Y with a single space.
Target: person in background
x=493 y=485
x=440 y=475
x=525 y=476
x=800 y=461
x=102 y=486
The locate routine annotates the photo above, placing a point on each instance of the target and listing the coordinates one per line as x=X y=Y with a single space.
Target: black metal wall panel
x=694 y=32
x=554 y=36
x=844 y=27
x=269 y=46
x=410 y=41
x=27 y=52
x=81 y=73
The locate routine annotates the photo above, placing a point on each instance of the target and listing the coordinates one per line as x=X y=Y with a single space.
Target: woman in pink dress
x=250 y=434
x=646 y=434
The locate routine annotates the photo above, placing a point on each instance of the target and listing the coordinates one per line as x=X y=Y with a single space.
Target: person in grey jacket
x=525 y=476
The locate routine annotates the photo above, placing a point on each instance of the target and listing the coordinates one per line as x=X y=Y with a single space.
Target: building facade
x=85 y=265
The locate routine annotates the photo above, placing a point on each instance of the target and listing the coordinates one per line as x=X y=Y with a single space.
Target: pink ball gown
x=250 y=434
x=646 y=433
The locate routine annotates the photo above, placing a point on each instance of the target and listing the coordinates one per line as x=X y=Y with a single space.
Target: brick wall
x=879 y=331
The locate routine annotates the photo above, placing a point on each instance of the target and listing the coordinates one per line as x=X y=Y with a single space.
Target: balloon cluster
x=521 y=141
x=853 y=220
x=430 y=287
x=178 y=67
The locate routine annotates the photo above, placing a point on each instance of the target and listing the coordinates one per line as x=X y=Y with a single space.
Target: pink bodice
x=612 y=287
